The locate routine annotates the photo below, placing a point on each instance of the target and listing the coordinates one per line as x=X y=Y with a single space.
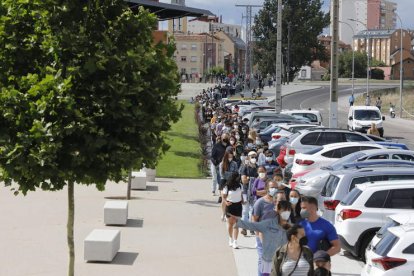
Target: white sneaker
x=235 y=246
x=230 y=242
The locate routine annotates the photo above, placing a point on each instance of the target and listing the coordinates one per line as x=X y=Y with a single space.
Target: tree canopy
x=85 y=93
x=306 y=21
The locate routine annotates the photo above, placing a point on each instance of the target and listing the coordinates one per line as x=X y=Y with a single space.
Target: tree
x=345 y=65
x=304 y=45
x=85 y=95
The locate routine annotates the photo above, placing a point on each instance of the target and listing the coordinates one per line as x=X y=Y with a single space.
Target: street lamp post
x=368 y=50
x=401 y=64
x=353 y=55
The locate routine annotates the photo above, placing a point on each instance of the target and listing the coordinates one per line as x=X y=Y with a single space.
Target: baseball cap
x=322 y=256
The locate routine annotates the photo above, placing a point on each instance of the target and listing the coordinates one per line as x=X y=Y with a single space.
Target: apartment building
x=234 y=53
x=196 y=54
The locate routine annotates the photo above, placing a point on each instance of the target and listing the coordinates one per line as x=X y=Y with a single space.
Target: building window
x=184 y=59
x=193 y=70
x=184 y=47
x=303 y=74
x=193 y=47
x=193 y=59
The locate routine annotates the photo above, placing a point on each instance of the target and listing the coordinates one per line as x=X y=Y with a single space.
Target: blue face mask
x=272 y=191
x=294 y=200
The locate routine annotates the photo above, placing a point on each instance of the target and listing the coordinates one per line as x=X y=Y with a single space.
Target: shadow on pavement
x=121 y=197
x=205 y=203
x=151 y=188
x=125 y=258
x=136 y=223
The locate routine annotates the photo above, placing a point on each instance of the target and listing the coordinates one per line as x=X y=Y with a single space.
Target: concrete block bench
x=150 y=174
x=102 y=245
x=139 y=180
x=116 y=212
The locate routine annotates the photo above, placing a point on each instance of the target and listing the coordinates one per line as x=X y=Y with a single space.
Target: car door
x=399 y=201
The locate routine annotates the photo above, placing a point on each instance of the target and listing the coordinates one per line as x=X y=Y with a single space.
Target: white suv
x=394 y=253
x=365 y=209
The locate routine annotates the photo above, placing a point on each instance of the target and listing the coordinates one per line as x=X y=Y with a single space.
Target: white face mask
x=262 y=175
x=238 y=137
x=285 y=215
x=268 y=159
x=253 y=160
x=294 y=200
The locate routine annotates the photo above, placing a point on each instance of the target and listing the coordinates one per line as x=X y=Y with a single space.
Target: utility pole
x=278 y=99
x=333 y=109
x=248 y=55
x=288 y=53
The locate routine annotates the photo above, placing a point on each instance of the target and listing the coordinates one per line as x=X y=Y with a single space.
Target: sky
x=233 y=15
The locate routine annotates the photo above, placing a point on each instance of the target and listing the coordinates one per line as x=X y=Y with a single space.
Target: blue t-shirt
x=317 y=231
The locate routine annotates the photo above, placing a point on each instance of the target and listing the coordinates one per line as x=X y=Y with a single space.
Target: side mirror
x=383 y=118
x=350 y=118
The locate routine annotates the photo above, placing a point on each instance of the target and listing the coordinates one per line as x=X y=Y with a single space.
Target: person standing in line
x=322 y=262
x=294 y=258
x=320 y=232
x=378 y=103
x=295 y=201
x=227 y=167
x=373 y=130
x=368 y=100
x=351 y=100
x=273 y=233
x=233 y=199
x=217 y=154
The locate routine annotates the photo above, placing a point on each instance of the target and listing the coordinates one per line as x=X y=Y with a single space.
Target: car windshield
x=367 y=115
x=384 y=228
x=385 y=244
x=351 y=197
x=337 y=165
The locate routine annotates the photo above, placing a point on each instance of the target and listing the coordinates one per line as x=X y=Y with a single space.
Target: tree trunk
x=129 y=184
x=70 y=226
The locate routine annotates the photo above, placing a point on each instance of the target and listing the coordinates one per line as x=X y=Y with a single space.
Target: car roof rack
x=377 y=163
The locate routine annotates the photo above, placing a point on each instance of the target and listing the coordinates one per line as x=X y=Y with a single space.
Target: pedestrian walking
x=351 y=100
x=378 y=103
x=217 y=154
x=368 y=100
x=294 y=258
x=227 y=167
x=320 y=232
x=373 y=130
x=233 y=199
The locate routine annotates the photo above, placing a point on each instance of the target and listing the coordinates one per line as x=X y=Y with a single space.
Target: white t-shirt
x=233 y=196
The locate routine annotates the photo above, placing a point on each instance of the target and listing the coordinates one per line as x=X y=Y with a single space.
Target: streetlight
x=401 y=63
x=368 y=50
x=353 y=55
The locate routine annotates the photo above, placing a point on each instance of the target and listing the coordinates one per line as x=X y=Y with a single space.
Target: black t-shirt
x=249 y=171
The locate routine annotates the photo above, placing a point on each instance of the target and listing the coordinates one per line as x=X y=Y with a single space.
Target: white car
x=288 y=129
x=394 y=253
x=392 y=221
x=325 y=155
x=365 y=209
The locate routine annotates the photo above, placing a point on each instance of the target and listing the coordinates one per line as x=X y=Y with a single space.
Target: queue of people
x=291 y=238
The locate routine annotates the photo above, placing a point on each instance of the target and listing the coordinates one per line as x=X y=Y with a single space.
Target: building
x=325 y=40
x=384 y=46
x=234 y=53
x=212 y=24
x=368 y=14
x=178 y=24
x=196 y=54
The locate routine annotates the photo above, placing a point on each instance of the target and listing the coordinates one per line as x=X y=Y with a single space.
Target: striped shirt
x=302 y=268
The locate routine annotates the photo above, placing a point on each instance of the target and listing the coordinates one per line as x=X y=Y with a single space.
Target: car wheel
x=364 y=244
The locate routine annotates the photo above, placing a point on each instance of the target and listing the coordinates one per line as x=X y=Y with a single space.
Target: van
x=314 y=116
x=360 y=118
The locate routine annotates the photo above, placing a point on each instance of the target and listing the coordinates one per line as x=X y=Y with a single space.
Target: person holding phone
x=233 y=199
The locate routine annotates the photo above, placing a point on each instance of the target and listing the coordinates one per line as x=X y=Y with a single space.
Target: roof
x=374 y=33
x=396 y=184
x=238 y=42
x=165 y=11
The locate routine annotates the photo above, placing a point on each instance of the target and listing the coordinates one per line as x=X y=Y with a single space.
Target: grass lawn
x=183 y=158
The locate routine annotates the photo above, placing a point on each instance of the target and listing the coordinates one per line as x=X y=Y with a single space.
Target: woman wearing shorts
x=233 y=199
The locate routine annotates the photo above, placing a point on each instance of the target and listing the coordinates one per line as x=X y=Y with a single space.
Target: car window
x=310 y=116
x=330 y=186
x=348 y=150
x=353 y=137
x=360 y=180
x=331 y=153
x=332 y=137
x=367 y=115
x=403 y=157
x=384 y=228
x=310 y=139
x=409 y=249
x=385 y=244
x=378 y=156
x=400 y=199
x=400 y=177
x=377 y=199
x=351 y=197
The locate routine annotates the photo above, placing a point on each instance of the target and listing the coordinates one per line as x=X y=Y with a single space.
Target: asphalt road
x=395 y=129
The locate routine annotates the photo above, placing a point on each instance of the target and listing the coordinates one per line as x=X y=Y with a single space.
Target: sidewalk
x=174 y=229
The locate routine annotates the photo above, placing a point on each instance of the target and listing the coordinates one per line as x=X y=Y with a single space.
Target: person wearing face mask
x=294 y=258
x=264 y=206
x=217 y=154
x=259 y=184
x=248 y=176
x=278 y=177
x=270 y=164
x=320 y=232
x=295 y=201
x=273 y=233
x=227 y=167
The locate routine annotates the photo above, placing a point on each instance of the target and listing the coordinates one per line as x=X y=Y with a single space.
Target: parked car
x=313 y=115
x=363 y=211
x=360 y=118
x=308 y=139
x=394 y=253
x=340 y=183
x=306 y=183
x=327 y=154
